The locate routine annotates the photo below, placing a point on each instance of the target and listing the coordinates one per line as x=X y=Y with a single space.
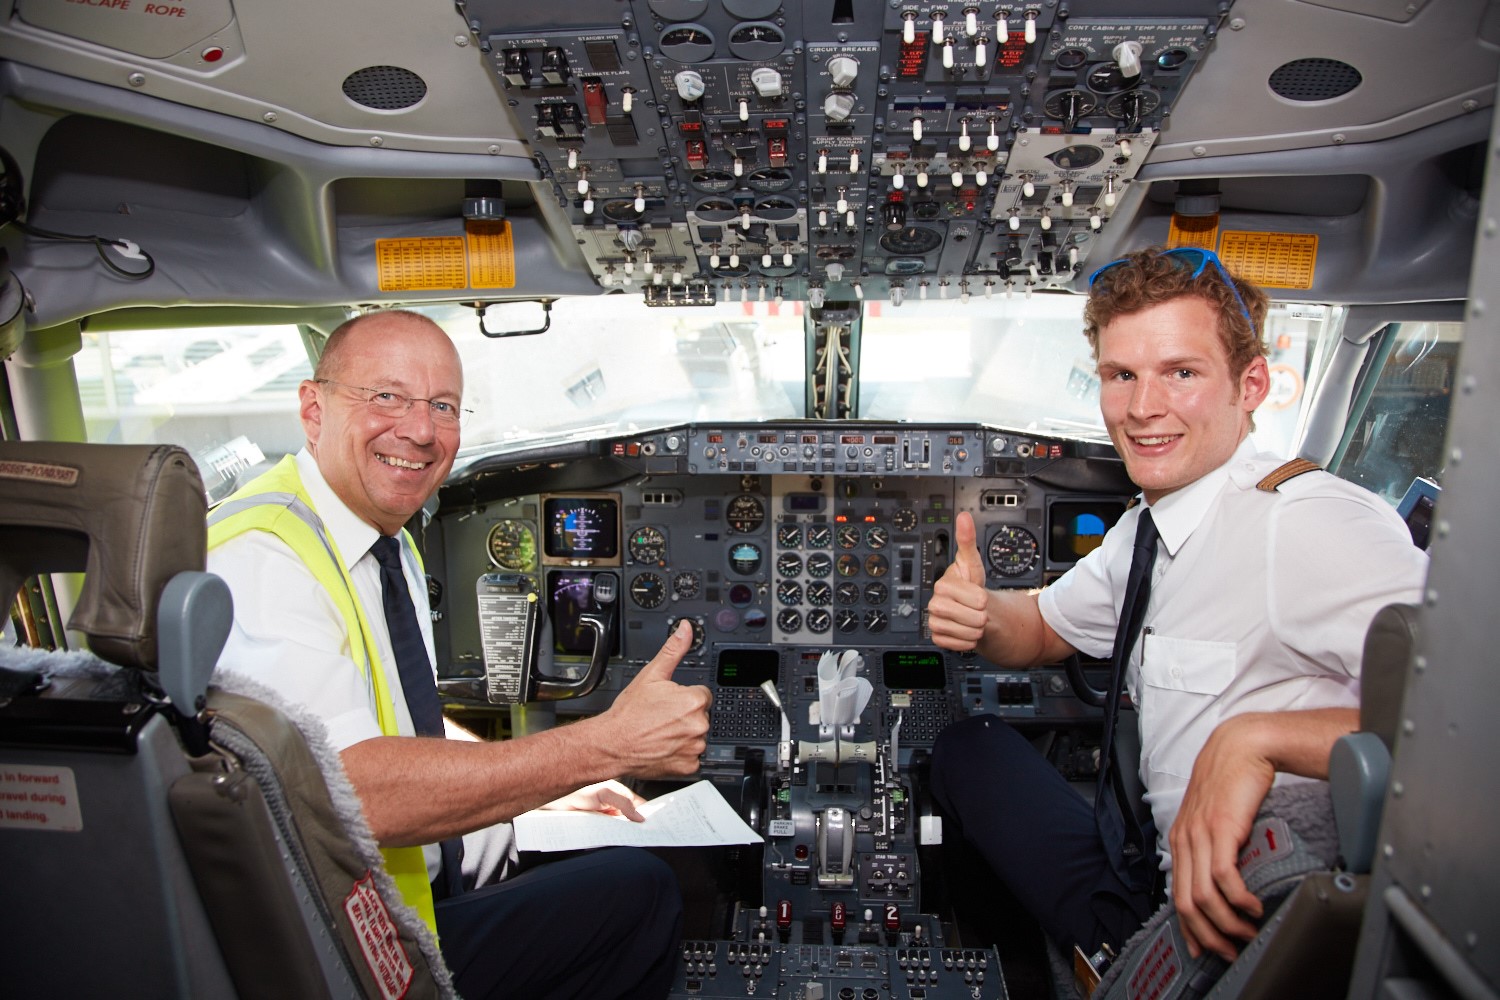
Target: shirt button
x=1177 y=672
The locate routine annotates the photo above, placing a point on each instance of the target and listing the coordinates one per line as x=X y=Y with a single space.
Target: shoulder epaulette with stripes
x=1280 y=474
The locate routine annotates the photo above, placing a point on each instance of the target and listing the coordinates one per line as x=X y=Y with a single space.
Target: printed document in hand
x=689 y=817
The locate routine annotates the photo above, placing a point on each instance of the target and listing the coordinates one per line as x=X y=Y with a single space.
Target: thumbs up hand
x=662 y=725
x=959 y=608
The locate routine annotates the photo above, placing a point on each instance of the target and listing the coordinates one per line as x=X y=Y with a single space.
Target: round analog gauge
x=755 y=619
x=620 y=210
x=847 y=592
x=678 y=10
x=789 y=536
x=819 y=536
x=752 y=10
x=819 y=564
x=776 y=209
x=876 y=593
x=911 y=240
x=768 y=179
x=877 y=565
x=788 y=620
x=877 y=537
x=1070 y=103
x=789 y=592
x=847 y=619
x=744 y=558
x=648 y=591
x=1012 y=551
x=685 y=586
x=1070 y=58
x=715 y=210
x=1173 y=58
x=818 y=620
x=746 y=513
x=789 y=564
x=647 y=544
x=904 y=519
x=1108 y=79
x=1076 y=157
x=819 y=593
x=848 y=535
x=512 y=545
x=697 y=631
x=757 y=41
x=687 y=43
x=1133 y=104
x=847 y=565
x=876 y=620
x=711 y=181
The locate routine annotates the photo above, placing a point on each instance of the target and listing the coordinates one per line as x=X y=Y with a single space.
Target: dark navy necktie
x=417 y=683
x=1114 y=813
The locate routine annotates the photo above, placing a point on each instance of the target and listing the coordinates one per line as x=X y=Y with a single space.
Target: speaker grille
x=384 y=88
x=1314 y=79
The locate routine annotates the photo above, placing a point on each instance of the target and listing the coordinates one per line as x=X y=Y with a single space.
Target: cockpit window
x=1025 y=365
x=1400 y=415
x=227 y=394
x=613 y=365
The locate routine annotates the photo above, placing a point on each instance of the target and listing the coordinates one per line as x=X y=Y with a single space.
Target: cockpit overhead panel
x=742 y=151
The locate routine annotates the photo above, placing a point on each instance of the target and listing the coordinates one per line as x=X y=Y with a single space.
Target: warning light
x=211 y=54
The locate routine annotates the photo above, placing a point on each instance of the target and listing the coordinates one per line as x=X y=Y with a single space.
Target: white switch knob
x=767 y=81
x=842 y=70
x=689 y=85
x=1128 y=55
x=838 y=106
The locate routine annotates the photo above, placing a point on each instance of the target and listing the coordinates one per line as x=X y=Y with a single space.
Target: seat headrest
x=130 y=517
x=1389 y=643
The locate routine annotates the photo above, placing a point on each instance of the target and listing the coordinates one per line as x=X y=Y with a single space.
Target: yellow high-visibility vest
x=278 y=502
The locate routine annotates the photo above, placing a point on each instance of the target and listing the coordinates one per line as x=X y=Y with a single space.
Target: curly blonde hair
x=1155 y=275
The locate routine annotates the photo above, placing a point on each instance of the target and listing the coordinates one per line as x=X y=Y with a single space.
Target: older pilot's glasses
x=394 y=405
x=1195 y=257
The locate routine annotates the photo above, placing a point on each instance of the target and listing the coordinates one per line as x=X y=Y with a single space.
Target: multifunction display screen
x=582 y=527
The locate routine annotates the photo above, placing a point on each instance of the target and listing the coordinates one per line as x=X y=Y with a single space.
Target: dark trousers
x=599 y=925
x=1036 y=833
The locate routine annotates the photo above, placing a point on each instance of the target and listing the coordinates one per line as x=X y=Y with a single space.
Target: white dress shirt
x=289 y=635
x=1259 y=603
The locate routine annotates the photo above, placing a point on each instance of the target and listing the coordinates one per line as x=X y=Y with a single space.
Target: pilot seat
x=163 y=837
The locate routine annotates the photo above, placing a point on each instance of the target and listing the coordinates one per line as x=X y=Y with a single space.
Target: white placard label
x=35 y=797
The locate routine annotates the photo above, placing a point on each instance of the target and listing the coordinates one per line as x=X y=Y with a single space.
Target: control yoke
x=517 y=639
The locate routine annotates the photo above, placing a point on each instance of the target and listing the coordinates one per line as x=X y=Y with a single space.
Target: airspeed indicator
x=1012 y=551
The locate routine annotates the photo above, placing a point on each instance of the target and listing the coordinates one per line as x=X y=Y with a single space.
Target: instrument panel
x=778 y=538
x=781 y=542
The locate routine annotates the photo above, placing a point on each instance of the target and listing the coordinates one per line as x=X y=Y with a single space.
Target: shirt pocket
x=1182 y=680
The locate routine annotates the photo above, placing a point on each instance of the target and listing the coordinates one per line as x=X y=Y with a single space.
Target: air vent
x=1314 y=79
x=384 y=88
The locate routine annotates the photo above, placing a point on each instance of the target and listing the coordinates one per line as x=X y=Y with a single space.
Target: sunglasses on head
x=1195 y=257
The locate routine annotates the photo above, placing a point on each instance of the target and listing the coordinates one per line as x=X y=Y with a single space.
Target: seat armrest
x=1359 y=769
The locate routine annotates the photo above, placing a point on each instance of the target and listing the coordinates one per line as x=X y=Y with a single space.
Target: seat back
x=175 y=841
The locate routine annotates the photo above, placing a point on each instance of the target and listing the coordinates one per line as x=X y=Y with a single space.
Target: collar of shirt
x=351 y=534
x=1180 y=512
